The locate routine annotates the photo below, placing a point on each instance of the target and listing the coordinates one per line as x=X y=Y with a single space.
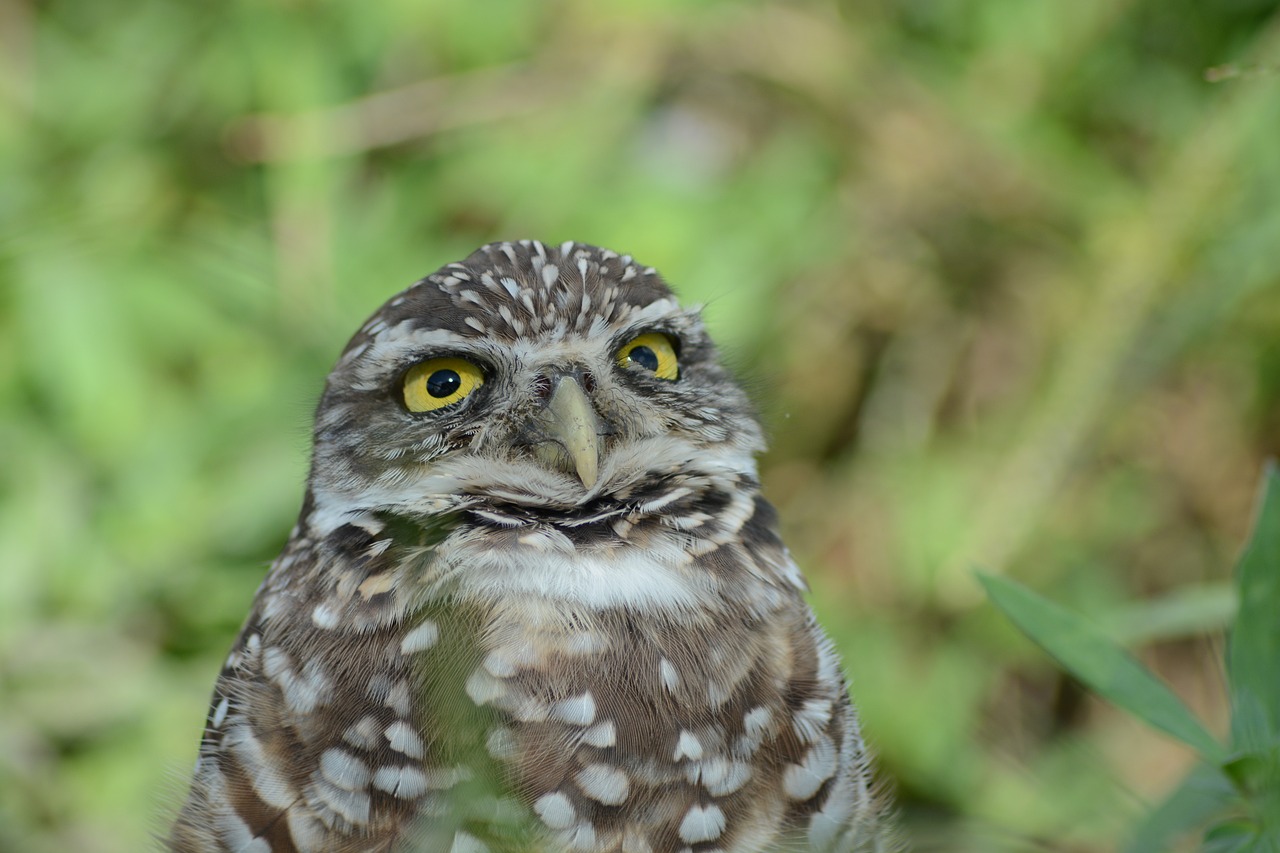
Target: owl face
x=566 y=380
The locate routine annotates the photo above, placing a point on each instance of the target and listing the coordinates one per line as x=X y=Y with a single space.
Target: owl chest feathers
x=645 y=693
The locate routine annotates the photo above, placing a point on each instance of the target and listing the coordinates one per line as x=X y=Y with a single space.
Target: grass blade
x=1086 y=652
x=1253 y=655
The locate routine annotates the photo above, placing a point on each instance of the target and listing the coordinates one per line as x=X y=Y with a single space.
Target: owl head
x=565 y=382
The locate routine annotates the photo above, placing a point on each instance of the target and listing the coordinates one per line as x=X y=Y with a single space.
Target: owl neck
x=672 y=548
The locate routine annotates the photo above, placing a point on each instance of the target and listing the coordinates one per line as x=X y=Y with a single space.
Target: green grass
x=1004 y=278
x=1235 y=789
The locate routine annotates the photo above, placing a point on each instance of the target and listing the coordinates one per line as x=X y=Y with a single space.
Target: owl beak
x=570 y=426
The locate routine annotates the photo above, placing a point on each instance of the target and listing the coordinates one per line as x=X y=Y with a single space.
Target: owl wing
x=313 y=740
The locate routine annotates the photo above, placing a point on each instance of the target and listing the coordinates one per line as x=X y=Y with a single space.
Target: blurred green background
x=1003 y=275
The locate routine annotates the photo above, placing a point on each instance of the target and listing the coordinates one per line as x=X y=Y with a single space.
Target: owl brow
x=677 y=326
x=480 y=356
x=407 y=353
x=410 y=331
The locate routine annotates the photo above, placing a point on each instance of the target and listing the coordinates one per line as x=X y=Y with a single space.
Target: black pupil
x=442 y=383
x=644 y=357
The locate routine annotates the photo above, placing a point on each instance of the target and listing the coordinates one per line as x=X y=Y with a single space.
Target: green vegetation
x=1237 y=788
x=1004 y=277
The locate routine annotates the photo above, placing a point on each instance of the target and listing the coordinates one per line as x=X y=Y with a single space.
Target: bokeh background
x=1003 y=275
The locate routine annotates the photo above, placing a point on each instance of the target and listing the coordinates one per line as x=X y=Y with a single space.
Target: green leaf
x=1085 y=651
x=1253 y=654
x=1233 y=837
x=1241 y=835
x=1205 y=793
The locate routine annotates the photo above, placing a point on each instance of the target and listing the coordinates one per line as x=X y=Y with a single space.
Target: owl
x=534 y=599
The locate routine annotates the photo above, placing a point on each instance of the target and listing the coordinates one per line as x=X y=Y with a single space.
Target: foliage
x=1237 y=787
x=1003 y=276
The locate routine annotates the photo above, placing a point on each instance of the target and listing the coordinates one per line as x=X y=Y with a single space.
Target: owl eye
x=440 y=382
x=652 y=351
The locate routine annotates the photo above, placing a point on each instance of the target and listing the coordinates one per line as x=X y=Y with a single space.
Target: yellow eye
x=653 y=352
x=440 y=382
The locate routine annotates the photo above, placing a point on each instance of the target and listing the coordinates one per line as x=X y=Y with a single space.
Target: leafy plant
x=1235 y=790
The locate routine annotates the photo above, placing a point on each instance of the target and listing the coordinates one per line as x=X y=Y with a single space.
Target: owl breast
x=637 y=694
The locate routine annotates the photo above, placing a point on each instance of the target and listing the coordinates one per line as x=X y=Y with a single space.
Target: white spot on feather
x=834 y=817
x=661 y=501
x=576 y=710
x=581 y=837
x=324 y=616
x=363 y=734
x=604 y=784
x=687 y=746
x=756 y=721
x=501 y=743
x=307 y=832
x=403 y=739
x=812 y=719
x=828 y=660
x=352 y=806
x=405 y=783
x=801 y=781
x=670 y=678
x=702 y=823
x=344 y=769
x=719 y=776
x=755 y=725
x=420 y=638
x=601 y=735
x=301 y=693
x=220 y=712
x=398 y=698
x=555 y=810
x=483 y=688
x=498 y=665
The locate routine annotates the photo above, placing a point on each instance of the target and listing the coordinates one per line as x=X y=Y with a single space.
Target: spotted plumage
x=534 y=599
